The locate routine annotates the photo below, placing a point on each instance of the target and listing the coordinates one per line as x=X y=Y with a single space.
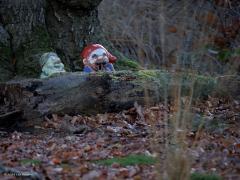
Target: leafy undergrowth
x=120 y=145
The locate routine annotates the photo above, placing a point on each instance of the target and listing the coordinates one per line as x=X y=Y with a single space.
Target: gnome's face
x=98 y=56
x=52 y=65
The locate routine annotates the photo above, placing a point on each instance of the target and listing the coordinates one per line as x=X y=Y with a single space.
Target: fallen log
x=78 y=93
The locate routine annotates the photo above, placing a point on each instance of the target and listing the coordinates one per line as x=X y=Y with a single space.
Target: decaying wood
x=10 y=118
x=77 y=93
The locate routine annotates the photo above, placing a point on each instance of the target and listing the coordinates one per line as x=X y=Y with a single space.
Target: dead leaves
x=87 y=139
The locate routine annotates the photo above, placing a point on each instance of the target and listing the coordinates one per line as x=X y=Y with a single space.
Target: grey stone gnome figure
x=51 y=65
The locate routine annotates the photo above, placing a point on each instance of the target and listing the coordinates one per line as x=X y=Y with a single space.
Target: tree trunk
x=29 y=28
x=77 y=93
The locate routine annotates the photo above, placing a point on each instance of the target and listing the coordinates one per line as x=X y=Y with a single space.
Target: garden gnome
x=51 y=65
x=97 y=58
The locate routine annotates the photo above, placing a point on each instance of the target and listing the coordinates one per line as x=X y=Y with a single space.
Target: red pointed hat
x=91 y=47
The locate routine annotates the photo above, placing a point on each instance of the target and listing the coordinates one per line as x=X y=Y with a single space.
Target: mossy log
x=78 y=93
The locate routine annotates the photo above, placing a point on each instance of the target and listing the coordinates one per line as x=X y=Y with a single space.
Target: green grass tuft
x=200 y=176
x=129 y=160
x=30 y=161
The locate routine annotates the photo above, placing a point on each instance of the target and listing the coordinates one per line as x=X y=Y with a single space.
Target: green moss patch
x=30 y=162
x=200 y=176
x=28 y=54
x=127 y=64
x=129 y=160
x=6 y=64
x=147 y=74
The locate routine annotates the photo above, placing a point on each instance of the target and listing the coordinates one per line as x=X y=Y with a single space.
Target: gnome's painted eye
x=94 y=56
x=104 y=54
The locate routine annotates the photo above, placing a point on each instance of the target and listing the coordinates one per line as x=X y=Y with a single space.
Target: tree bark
x=77 y=93
x=29 y=28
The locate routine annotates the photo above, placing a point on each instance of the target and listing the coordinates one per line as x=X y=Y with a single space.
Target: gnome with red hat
x=97 y=58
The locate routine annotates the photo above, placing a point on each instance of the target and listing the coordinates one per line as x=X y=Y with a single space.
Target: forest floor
x=82 y=147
